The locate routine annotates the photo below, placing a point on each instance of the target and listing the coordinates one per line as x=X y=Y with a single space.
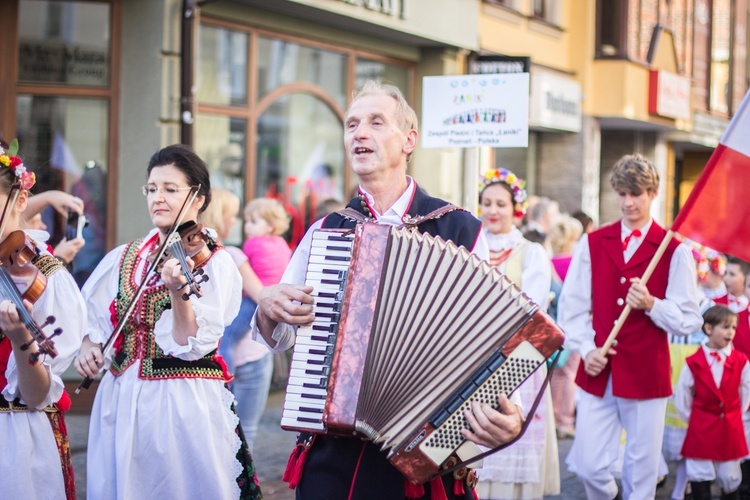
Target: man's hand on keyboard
x=291 y=304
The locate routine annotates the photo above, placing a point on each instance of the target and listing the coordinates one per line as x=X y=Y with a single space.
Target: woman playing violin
x=34 y=452
x=162 y=424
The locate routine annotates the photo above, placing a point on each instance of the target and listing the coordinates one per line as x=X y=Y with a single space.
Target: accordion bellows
x=409 y=329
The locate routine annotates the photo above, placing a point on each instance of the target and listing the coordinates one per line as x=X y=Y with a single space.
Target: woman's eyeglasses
x=152 y=189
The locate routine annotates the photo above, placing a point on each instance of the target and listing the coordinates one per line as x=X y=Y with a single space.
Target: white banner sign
x=475 y=110
x=555 y=102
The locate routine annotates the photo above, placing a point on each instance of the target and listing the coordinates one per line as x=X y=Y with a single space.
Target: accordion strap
x=351 y=214
x=524 y=426
x=412 y=222
x=409 y=222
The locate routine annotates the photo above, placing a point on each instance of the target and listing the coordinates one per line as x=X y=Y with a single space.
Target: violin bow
x=86 y=382
x=15 y=190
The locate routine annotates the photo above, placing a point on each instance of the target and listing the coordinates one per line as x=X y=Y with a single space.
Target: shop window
x=283 y=62
x=64 y=141
x=222 y=66
x=540 y=9
x=63 y=111
x=719 y=87
x=289 y=132
x=611 y=28
x=303 y=163
x=220 y=141
x=547 y=10
x=368 y=69
x=64 y=42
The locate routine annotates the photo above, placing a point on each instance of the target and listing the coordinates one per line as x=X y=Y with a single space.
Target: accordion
x=409 y=329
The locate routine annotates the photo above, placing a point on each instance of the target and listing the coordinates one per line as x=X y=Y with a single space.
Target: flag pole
x=644 y=279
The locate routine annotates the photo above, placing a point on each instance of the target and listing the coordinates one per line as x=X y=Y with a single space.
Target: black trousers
x=336 y=466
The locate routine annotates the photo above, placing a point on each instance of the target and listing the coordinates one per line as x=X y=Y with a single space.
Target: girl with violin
x=42 y=318
x=163 y=424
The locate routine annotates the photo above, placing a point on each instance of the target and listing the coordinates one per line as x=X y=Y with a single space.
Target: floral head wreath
x=10 y=160
x=515 y=183
x=706 y=259
x=717 y=262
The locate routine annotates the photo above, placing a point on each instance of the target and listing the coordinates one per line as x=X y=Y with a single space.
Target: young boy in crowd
x=734 y=279
x=712 y=394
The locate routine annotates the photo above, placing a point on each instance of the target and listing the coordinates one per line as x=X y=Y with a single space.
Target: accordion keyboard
x=328 y=266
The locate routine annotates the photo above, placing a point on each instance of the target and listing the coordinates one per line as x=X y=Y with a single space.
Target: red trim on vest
x=716 y=416
x=741 y=340
x=356 y=470
x=5 y=350
x=640 y=342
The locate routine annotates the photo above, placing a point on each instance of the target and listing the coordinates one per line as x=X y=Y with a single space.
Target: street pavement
x=272 y=448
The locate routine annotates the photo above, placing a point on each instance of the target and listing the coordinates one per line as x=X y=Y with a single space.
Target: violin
x=190 y=240
x=21 y=280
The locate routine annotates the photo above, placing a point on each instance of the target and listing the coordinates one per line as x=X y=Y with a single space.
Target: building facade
x=657 y=77
x=93 y=87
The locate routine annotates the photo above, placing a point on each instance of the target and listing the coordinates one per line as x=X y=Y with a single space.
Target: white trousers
x=727 y=474
x=599 y=426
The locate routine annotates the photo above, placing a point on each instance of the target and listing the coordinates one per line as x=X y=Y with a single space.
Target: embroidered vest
x=641 y=368
x=138 y=340
x=715 y=430
x=47 y=265
x=460 y=227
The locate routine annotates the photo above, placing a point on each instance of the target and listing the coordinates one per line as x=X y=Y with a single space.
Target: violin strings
x=10 y=291
x=178 y=251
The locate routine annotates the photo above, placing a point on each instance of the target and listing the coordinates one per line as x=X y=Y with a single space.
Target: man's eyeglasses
x=152 y=189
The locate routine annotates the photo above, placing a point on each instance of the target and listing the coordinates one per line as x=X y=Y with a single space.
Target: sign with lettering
x=475 y=110
x=555 y=102
x=484 y=65
x=396 y=8
x=43 y=61
x=669 y=95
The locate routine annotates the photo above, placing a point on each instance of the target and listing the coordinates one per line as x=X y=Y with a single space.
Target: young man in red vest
x=628 y=388
x=711 y=395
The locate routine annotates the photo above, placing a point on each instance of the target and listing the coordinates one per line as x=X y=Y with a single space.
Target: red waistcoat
x=741 y=340
x=715 y=430
x=5 y=352
x=640 y=369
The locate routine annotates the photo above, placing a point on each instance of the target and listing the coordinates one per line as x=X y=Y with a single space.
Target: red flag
x=717 y=212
